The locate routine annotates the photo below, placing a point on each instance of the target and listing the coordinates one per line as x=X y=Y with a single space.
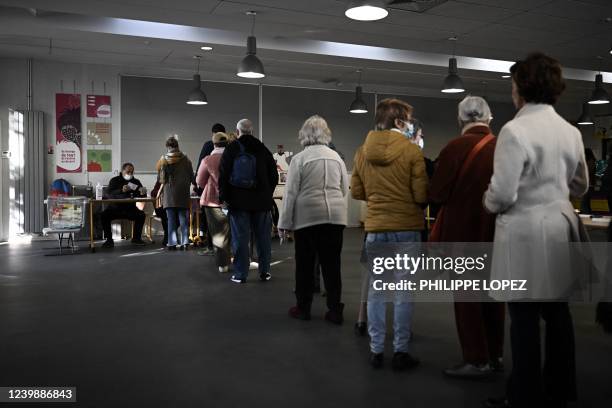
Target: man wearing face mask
x=124 y=186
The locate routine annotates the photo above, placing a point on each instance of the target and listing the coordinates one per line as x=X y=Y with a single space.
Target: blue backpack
x=60 y=187
x=244 y=172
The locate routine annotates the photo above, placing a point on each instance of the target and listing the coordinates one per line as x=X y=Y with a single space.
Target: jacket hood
x=381 y=147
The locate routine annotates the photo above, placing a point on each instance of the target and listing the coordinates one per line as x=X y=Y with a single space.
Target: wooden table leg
x=91 y=227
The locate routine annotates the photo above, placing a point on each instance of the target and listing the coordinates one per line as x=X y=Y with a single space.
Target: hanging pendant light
x=585 y=118
x=371 y=10
x=452 y=82
x=251 y=66
x=359 y=105
x=599 y=96
x=197 y=96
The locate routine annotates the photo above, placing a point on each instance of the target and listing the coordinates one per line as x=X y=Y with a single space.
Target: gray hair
x=473 y=109
x=314 y=131
x=244 y=127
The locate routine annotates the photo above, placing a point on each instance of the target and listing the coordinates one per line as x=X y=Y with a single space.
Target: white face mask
x=127 y=177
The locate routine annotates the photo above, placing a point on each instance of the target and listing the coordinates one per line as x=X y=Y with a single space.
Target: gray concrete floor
x=139 y=327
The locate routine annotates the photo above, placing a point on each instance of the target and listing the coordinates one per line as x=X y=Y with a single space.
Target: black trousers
x=118 y=213
x=161 y=213
x=530 y=385
x=324 y=241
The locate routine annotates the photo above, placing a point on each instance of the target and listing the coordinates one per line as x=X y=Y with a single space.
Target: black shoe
x=377 y=360
x=496 y=403
x=297 y=313
x=109 y=243
x=171 y=247
x=236 y=279
x=335 y=316
x=139 y=242
x=403 y=361
x=361 y=329
x=264 y=277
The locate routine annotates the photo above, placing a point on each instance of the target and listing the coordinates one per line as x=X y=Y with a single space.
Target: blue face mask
x=409 y=131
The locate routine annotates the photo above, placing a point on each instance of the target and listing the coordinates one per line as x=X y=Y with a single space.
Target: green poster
x=99 y=161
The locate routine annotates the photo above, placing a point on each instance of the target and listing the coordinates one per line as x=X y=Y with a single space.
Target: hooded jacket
x=175 y=172
x=389 y=174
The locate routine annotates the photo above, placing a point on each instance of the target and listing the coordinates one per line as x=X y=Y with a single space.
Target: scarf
x=166 y=162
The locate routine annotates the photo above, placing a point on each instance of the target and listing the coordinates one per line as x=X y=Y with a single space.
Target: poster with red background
x=68 y=133
x=98 y=106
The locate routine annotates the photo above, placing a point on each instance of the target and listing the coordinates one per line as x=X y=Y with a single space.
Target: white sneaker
x=224 y=269
x=253 y=266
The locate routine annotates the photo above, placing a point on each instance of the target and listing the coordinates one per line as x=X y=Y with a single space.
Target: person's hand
x=283 y=234
x=125 y=188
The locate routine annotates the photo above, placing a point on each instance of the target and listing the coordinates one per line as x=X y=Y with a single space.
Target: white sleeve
x=508 y=164
x=292 y=188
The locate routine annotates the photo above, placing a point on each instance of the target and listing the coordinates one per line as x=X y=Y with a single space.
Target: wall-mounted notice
x=68 y=133
x=98 y=106
x=99 y=133
x=99 y=161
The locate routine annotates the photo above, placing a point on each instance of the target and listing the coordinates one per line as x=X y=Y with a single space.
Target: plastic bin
x=66 y=212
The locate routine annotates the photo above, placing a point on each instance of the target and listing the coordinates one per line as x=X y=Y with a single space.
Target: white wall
x=47 y=80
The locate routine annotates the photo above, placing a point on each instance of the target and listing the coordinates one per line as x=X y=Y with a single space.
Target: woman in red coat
x=460 y=190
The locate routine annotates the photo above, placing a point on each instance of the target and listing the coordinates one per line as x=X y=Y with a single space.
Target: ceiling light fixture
x=369 y=10
x=206 y=48
x=197 y=96
x=359 y=105
x=506 y=76
x=585 y=118
x=452 y=82
x=251 y=67
x=599 y=96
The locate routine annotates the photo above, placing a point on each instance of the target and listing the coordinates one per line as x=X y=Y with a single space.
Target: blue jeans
x=177 y=214
x=242 y=224
x=402 y=316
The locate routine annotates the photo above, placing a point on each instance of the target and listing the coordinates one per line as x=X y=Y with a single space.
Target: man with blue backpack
x=247 y=179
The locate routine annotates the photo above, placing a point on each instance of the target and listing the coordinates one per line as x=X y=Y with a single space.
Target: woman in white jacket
x=538 y=164
x=315 y=208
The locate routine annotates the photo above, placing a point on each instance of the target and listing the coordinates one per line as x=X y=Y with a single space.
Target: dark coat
x=115 y=190
x=177 y=183
x=465 y=219
x=259 y=198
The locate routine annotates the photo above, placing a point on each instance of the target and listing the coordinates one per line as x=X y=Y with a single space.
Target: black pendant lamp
x=358 y=105
x=585 y=118
x=197 y=96
x=452 y=82
x=599 y=96
x=251 y=67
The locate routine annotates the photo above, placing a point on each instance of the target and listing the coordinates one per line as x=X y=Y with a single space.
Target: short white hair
x=314 y=131
x=474 y=109
x=244 y=127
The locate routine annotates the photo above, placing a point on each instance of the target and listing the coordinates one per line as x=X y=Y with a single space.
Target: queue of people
x=488 y=188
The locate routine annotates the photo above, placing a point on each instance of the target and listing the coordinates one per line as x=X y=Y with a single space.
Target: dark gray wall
x=286 y=109
x=153 y=109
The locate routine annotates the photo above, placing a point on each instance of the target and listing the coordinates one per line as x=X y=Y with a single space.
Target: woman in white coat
x=539 y=163
x=315 y=208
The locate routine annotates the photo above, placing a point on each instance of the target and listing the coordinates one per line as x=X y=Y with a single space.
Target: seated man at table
x=124 y=186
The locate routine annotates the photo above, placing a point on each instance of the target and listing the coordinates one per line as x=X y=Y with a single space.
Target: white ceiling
x=573 y=31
